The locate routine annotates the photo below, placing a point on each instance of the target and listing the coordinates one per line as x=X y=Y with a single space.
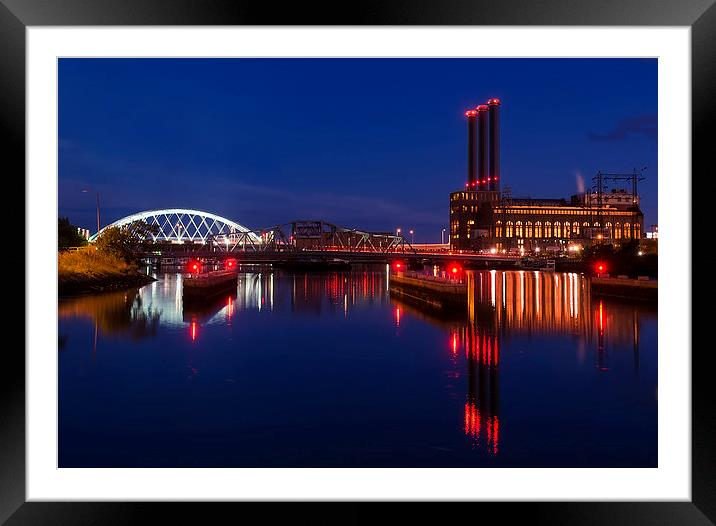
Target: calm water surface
x=327 y=369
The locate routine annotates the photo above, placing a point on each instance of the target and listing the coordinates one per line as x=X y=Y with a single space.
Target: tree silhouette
x=67 y=234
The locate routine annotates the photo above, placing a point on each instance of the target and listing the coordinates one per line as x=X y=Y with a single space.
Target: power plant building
x=482 y=216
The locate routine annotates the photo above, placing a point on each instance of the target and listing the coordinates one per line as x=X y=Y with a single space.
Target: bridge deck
x=351 y=256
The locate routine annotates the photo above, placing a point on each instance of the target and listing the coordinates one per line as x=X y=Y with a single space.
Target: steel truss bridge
x=304 y=236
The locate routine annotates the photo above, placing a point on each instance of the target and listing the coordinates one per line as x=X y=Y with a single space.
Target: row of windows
x=473 y=196
x=561 y=211
x=563 y=230
x=550 y=211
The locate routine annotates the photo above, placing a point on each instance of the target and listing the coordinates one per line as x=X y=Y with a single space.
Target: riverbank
x=88 y=270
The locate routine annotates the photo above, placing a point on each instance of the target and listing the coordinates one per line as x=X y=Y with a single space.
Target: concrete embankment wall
x=436 y=294
x=625 y=288
x=68 y=285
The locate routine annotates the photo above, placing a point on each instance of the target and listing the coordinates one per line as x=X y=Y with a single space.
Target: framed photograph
x=418 y=253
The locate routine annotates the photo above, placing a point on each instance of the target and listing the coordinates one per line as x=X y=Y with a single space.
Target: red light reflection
x=480 y=419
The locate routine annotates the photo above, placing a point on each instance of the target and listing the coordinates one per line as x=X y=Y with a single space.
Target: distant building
x=484 y=217
x=479 y=220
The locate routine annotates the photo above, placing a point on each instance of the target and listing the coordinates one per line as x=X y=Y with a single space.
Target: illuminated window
x=637 y=231
x=618 y=231
x=547 y=229
x=627 y=230
x=566 y=229
x=498 y=229
x=557 y=229
x=528 y=229
x=610 y=231
x=518 y=229
x=508 y=229
x=538 y=229
x=575 y=228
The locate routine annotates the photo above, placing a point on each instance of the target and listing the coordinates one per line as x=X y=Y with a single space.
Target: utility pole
x=98 y=223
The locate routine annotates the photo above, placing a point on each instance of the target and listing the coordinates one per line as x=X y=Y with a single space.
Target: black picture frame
x=16 y=15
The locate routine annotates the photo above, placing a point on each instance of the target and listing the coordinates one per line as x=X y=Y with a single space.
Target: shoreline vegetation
x=90 y=270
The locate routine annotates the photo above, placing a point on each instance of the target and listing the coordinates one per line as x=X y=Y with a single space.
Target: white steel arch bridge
x=180 y=225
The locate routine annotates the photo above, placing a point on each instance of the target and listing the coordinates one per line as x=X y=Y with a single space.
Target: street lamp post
x=412 y=237
x=442 y=237
x=98 y=222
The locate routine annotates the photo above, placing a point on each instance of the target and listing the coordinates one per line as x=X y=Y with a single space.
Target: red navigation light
x=601 y=267
x=195 y=266
x=398 y=265
x=454 y=269
x=493 y=101
x=230 y=263
x=482 y=107
x=470 y=113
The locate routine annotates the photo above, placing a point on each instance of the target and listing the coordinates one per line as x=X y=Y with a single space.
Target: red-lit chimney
x=482 y=147
x=471 y=148
x=494 y=105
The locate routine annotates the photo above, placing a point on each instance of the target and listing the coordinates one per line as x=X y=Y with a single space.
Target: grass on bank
x=89 y=268
x=88 y=262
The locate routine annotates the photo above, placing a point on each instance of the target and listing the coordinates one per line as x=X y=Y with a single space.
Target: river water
x=328 y=370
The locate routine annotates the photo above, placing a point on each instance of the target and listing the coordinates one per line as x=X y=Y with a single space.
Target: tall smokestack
x=494 y=105
x=482 y=147
x=471 y=148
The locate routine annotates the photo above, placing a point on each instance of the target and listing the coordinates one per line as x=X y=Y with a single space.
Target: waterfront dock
x=207 y=285
x=436 y=292
x=628 y=288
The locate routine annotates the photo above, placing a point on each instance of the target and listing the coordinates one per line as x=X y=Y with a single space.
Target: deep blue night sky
x=368 y=143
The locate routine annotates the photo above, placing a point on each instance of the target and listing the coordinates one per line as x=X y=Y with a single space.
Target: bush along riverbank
x=92 y=270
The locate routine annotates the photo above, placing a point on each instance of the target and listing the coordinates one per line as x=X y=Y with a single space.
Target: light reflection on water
x=527 y=344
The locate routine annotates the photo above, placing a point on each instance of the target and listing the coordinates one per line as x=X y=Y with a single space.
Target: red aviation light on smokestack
x=493 y=102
